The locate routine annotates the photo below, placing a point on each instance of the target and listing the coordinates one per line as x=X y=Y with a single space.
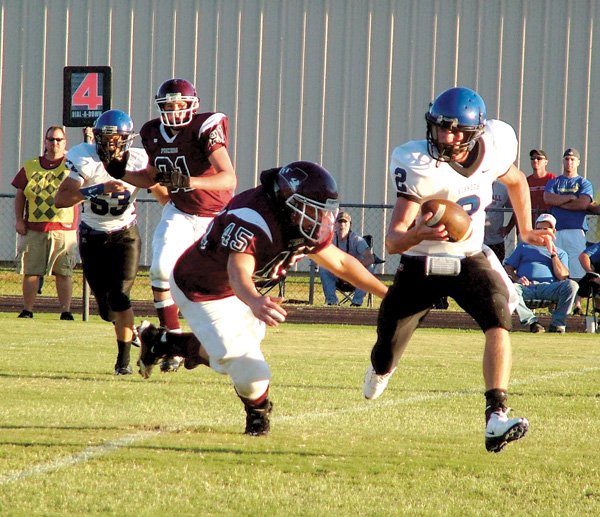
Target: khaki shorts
x=44 y=253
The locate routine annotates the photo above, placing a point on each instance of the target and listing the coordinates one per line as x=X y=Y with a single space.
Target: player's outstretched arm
x=348 y=268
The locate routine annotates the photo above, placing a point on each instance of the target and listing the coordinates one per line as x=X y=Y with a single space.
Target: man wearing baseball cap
x=354 y=245
x=569 y=196
x=542 y=273
x=537 y=181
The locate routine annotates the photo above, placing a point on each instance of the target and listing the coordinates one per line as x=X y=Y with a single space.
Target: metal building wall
x=336 y=81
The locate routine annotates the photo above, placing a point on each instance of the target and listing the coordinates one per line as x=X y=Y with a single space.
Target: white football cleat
x=171 y=364
x=375 y=384
x=501 y=430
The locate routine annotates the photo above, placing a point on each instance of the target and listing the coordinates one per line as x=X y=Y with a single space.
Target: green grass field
x=77 y=440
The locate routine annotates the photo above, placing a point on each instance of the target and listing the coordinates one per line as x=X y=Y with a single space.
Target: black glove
x=173 y=178
x=116 y=168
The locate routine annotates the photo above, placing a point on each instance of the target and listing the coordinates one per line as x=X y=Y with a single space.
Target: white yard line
x=124 y=441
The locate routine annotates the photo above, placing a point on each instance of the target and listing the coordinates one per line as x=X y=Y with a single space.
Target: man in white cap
x=542 y=273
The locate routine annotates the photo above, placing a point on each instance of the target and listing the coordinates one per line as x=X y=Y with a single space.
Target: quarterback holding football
x=463 y=154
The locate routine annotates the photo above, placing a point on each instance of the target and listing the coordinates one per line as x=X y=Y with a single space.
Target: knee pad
x=250 y=376
x=161 y=268
x=119 y=301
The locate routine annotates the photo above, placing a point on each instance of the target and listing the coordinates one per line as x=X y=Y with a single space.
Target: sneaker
x=171 y=364
x=66 y=316
x=375 y=384
x=25 y=314
x=577 y=311
x=123 y=370
x=536 y=328
x=355 y=304
x=501 y=430
x=557 y=329
x=135 y=340
x=257 y=419
x=149 y=336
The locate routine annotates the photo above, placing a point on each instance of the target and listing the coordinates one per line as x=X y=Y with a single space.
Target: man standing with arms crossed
x=569 y=196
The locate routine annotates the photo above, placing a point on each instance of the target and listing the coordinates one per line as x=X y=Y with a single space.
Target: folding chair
x=267 y=286
x=589 y=288
x=346 y=290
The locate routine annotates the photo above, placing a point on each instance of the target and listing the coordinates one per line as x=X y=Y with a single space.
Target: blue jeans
x=328 y=280
x=562 y=293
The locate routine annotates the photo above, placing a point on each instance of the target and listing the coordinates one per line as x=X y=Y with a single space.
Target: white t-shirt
x=108 y=212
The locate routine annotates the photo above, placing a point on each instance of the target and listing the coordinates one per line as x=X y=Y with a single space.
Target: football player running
x=188 y=154
x=459 y=160
x=256 y=239
x=109 y=240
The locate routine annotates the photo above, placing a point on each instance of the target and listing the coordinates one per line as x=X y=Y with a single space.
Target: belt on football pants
x=433 y=265
x=84 y=229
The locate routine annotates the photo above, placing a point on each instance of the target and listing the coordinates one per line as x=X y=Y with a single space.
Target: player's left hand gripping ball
x=457 y=222
x=116 y=167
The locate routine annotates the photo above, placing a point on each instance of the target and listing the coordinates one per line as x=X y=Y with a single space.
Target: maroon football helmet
x=309 y=193
x=180 y=91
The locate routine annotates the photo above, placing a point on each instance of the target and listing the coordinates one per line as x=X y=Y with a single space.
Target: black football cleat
x=257 y=419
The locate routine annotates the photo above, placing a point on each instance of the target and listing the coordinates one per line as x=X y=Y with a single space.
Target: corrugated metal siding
x=336 y=81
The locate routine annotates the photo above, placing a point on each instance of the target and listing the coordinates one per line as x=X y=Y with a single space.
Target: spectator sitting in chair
x=590 y=261
x=354 y=245
x=542 y=273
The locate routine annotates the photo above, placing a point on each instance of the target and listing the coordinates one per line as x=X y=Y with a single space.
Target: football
x=457 y=222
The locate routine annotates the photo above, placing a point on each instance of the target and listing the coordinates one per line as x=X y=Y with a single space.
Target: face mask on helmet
x=113 y=134
x=459 y=110
x=177 y=102
x=309 y=193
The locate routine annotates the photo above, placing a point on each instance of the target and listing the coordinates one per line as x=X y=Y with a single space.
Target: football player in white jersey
x=109 y=241
x=459 y=160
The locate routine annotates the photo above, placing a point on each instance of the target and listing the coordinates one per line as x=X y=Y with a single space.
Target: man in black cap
x=537 y=181
x=569 y=196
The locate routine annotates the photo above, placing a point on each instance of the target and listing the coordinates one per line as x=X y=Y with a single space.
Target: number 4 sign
x=86 y=94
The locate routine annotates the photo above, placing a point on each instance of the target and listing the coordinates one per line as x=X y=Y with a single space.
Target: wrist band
x=93 y=191
x=553 y=255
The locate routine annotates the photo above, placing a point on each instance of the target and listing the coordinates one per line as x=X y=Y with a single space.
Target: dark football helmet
x=309 y=194
x=113 y=133
x=460 y=109
x=175 y=90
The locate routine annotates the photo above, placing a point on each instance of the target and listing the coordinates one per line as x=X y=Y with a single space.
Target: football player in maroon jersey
x=187 y=153
x=257 y=238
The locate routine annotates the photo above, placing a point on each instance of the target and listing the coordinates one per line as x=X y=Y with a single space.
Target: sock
x=259 y=403
x=495 y=399
x=168 y=314
x=123 y=357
